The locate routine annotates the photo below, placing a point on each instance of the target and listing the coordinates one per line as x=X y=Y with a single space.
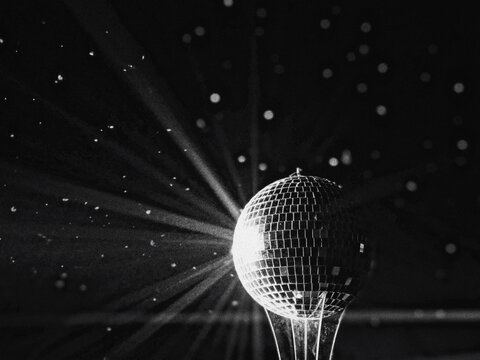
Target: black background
x=419 y=184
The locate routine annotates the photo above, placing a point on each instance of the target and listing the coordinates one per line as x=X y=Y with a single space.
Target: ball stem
x=304 y=339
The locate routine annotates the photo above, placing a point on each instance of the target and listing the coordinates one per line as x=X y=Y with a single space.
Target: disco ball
x=296 y=243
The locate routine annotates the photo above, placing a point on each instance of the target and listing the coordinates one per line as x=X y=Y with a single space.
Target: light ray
x=49 y=186
x=257 y=334
x=353 y=317
x=163 y=290
x=232 y=339
x=253 y=103
x=178 y=202
x=202 y=335
x=121 y=50
x=228 y=157
x=115 y=234
x=133 y=160
x=243 y=338
x=166 y=289
x=220 y=134
x=158 y=321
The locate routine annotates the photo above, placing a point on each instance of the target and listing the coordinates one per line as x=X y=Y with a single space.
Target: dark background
x=379 y=100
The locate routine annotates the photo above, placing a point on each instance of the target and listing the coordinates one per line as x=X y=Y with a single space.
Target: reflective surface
x=295 y=240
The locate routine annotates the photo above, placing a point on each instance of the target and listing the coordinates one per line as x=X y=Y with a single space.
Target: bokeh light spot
x=215 y=98
x=381 y=110
x=268 y=114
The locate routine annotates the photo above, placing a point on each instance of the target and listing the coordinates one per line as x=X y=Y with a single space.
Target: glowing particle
x=366 y=27
x=200 y=123
x=148 y=212
x=346 y=158
x=336 y=10
x=268 y=115
x=96 y=208
x=91 y=53
x=382 y=68
x=325 y=24
x=457 y=120
x=199 y=31
x=65 y=199
x=363 y=49
x=278 y=69
x=362 y=88
x=1 y=41
x=327 y=73
x=173 y=265
x=262 y=167
x=59 y=77
x=333 y=161
x=462 y=144
x=153 y=243
x=12 y=136
x=169 y=130
x=228 y=3
x=261 y=13
x=82 y=287
x=241 y=159
x=108 y=328
x=381 y=110
x=351 y=56
x=425 y=77
x=458 y=88
x=411 y=186
x=234 y=303
x=215 y=98
x=427 y=144
x=186 y=38
x=13 y=209
x=187 y=189
x=259 y=31
x=450 y=248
